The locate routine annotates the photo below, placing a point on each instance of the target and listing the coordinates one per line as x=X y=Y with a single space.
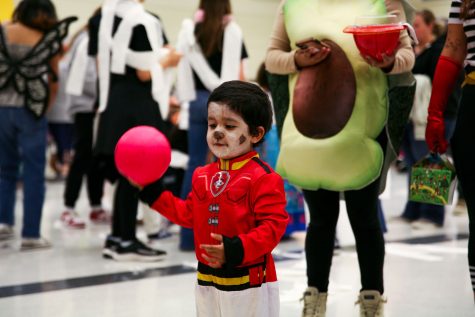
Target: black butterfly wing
x=6 y=65
x=36 y=96
x=30 y=75
x=36 y=63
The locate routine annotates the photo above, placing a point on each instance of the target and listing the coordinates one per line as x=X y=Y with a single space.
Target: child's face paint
x=242 y=139
x=228 y=134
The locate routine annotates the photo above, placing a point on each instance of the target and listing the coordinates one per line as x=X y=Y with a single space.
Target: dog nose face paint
x=218 y=135
x=228 y=134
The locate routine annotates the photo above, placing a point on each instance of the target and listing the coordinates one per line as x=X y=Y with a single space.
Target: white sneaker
x=371 y=304
x=71 y=219
x=28 y=244
x=314 y=303
x=424 y=224
x=6 y=232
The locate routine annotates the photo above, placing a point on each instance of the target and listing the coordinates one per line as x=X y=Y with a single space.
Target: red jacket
x=240 y=198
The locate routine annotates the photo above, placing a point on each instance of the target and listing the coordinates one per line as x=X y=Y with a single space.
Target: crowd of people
x=335 y=137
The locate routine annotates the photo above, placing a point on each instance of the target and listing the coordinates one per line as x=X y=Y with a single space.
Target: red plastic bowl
x=142 y=155
x=376 y=40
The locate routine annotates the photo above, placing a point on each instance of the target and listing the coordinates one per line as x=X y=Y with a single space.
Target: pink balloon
x=142 y=155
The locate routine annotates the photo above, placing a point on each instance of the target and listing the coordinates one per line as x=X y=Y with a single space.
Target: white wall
x=255 y=17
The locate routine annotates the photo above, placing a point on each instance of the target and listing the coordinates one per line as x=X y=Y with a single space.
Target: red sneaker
x=71 y=220
x=100 y=216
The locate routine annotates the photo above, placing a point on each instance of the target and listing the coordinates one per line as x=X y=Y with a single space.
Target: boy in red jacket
x=236 y=208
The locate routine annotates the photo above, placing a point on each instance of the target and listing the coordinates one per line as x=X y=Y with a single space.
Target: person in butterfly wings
x=29 y=47
x=236 y=208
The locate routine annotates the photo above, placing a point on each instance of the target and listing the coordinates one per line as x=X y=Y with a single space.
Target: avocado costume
x=335 y=110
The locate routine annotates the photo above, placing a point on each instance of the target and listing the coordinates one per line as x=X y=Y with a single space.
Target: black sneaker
x=137 y=251
x=110 y=247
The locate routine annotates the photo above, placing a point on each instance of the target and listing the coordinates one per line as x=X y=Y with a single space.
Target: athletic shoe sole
x=7 y=236
x=29 y=247
x=108 y=253
x=137 y=257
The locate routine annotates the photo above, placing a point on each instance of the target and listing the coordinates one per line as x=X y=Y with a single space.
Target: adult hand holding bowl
x=377 y=37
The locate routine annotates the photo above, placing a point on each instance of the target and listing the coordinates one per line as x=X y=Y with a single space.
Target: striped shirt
x=469 y=28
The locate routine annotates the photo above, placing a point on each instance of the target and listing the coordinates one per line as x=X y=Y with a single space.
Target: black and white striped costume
x=469 y=28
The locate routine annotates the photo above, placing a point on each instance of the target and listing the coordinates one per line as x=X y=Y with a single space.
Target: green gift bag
x=433 y=181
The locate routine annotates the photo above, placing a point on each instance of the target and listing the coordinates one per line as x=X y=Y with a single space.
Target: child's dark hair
x=248 y=100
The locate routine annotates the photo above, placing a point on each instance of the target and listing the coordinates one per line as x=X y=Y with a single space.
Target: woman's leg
x=363 y=214
x=81 y=159
x=463 y=147
x=62 y=134
x=319 y=242
x=32 y=142
x=9 y=165
x=95 y=176
x=125 y=210
x=95 y=184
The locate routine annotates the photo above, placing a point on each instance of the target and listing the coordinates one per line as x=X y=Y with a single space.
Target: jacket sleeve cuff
x=233 y=251
x=150 y=193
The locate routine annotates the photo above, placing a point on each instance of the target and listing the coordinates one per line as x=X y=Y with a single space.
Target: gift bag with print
x=433 y=180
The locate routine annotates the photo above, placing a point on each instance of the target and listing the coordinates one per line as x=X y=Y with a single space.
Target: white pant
x=253 y=302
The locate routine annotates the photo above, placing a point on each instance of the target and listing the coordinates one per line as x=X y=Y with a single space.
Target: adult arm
x=445 y=77
x=404 y=58
x=280 y=58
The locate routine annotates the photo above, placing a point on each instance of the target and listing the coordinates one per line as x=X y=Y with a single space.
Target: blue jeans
x=62 y=134
x=414 y=150
x=22 y=141
x=197 y=151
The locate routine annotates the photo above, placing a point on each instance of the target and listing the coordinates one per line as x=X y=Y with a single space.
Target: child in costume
x=236 y=208
x=213 y=52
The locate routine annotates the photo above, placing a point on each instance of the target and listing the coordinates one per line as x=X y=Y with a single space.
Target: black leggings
x=363 y=214
x=83 y=164
x=463 y=148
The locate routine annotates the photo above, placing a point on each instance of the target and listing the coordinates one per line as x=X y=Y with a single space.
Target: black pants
x=83 y=164
x=124 y=215
x=463 y=148
x=124 y=209
x=363 y=214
